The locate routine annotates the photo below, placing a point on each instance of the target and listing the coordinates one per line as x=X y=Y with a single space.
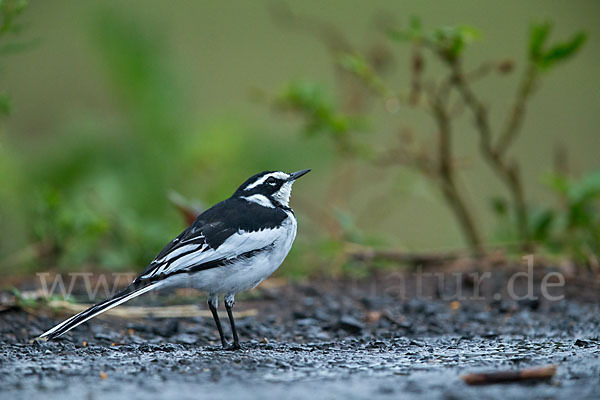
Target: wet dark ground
x=369 y=339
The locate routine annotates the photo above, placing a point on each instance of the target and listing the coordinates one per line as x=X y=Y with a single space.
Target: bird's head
x=270 y=186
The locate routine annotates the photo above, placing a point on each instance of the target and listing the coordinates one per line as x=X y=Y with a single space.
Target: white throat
x=283 y=194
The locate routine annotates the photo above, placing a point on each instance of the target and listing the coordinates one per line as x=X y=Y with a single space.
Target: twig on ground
x=529 y=374
x=182 y=311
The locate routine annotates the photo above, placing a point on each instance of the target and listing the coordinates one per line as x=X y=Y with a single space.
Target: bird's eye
x=272 y=181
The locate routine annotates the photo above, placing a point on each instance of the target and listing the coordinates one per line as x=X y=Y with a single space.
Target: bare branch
x=508 y=171
x=446 y=172
x=515 y=120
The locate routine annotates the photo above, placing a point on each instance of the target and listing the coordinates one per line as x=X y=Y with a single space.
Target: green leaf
x=358 y=66
x=541 y=224
x=9 y=10
x=354 y=63
x=537 y=38
x=308 y=99
x=453 y=39
x=586 y=189
x=545 y=56
x=563 y=51
x=413 y=33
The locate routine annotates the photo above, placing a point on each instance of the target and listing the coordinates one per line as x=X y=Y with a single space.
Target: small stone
x=373 y=316
x=350 y=324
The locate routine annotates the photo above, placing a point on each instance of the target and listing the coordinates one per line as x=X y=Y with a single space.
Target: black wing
x=199 y=245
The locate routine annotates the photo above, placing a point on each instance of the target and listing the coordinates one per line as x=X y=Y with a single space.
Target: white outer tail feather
x=122 y=300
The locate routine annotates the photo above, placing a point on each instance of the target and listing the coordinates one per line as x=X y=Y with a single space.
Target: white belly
x=247 y=273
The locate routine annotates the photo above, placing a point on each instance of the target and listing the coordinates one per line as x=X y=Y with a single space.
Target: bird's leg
x=213 y=301
x=229 y=302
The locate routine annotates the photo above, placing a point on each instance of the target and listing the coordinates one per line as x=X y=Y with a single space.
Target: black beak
x=296 y=175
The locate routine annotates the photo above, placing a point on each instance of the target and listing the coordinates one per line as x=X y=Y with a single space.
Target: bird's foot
x=233 y=347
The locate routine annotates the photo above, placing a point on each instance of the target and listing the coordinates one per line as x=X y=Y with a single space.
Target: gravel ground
x=323 y=340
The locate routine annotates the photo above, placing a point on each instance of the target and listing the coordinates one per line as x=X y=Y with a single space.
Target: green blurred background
x=116 y=104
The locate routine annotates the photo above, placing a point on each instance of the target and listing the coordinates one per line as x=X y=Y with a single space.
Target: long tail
x=125 y=295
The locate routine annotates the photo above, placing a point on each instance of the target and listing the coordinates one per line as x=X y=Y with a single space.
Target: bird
x=229 y=248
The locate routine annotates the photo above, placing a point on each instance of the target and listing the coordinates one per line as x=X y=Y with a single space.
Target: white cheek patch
x=262 y=179
x=259 y=199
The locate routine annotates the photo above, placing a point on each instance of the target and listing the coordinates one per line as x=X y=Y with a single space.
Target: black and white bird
x=229 y=248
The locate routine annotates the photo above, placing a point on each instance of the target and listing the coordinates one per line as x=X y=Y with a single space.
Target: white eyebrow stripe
x=259 y=199
x=262 y=179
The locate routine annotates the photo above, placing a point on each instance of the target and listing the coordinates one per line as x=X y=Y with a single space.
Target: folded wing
x=192 y=252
